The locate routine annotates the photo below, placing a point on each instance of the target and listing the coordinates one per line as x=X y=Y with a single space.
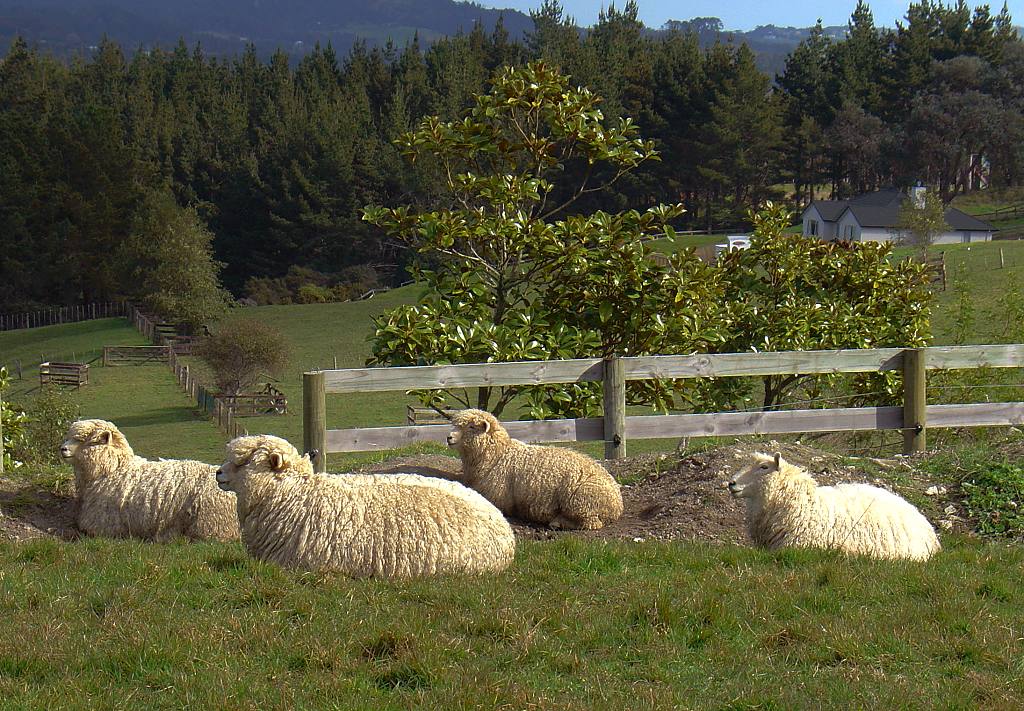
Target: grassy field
x=161 y=421
x=573 y=624
x=106 y=624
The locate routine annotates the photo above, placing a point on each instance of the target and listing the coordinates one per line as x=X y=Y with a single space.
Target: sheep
x=121 y=495
x=554 y=486
x=386 y=526
x=786 y=507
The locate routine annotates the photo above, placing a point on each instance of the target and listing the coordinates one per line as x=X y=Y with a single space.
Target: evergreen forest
x=260 y=168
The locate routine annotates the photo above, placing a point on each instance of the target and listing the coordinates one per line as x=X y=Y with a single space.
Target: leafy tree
x=240 y=351
x=921 y=220
x=506 y=279
x=742 y=139
x=174 y=272
x=787 y=293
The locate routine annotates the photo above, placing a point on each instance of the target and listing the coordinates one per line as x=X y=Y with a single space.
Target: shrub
x=242 y=350
x=47 y=417
x=12 y=419
x=995 y=497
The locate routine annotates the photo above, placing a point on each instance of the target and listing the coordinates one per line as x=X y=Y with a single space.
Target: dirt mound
x=666 y=497
x=28 y=511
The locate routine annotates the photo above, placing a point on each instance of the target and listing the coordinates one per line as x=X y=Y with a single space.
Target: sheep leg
x=586 y=523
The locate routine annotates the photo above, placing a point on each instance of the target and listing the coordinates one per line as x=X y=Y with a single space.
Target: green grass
x=160 y=421
x=572 y=625
x=986 y=284
x=980 y=202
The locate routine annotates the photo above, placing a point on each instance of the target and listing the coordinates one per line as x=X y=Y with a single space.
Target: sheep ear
x=276 y=461
x=101 y=437
x=778 y=459
x=487 y=426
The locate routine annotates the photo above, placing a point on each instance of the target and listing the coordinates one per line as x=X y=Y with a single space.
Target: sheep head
x=94 y=445
x=474 y=430
x=256 y=455
x=749 y=480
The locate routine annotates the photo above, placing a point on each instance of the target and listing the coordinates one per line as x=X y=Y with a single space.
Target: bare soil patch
x=668 y=497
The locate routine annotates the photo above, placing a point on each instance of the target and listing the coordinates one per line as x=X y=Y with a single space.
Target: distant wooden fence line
x=913 y=417
x=205 y=398
x=63 y=314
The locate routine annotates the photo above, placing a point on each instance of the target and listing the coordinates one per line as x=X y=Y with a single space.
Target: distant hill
x=770 y=44
x=66 y=27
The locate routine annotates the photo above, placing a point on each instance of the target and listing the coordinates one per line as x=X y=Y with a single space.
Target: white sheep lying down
x=786 y=507
x=559 y=487
x=385 y=525
x=120 y=494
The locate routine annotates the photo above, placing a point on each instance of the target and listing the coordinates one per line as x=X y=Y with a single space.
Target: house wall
x=958 y=237
x=826 y=230
x=876 y=234
x=962 y=236
x=847 y=228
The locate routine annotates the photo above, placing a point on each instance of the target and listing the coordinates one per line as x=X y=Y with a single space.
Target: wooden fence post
x=915 y=398
x=614 y=408
x=314 y=417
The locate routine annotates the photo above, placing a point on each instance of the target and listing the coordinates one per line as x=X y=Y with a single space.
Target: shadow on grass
x=159 y=416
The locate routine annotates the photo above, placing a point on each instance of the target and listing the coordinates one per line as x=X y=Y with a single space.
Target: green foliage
x=995 y=497
x=12 y=425
x=302 y=285
x=787 y=292
x=919 y=224
x=47 y=416
x=174 y=273
x=507 y=280
x=240 y=351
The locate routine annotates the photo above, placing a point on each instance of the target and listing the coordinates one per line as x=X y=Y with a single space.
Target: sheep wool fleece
x=121 y=494
x=387 y=525
x=555 y=486
x=787 y=507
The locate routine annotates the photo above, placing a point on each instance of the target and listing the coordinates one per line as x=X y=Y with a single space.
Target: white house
x=873 y=217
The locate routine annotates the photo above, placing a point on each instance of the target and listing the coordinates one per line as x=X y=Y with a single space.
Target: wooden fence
x=63 y=314
x=913 y=417
x=136 y=355
x=205 y=399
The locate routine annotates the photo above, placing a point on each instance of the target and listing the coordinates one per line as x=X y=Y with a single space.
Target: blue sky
x=747 y=14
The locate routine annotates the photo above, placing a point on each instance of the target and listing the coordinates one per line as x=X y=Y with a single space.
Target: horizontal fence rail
x=615 y=428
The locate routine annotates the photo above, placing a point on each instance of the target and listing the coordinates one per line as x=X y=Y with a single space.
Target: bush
x=302 y=285
x=13 y=421
x=241 y=351
x=47 y=418
x=995 y=497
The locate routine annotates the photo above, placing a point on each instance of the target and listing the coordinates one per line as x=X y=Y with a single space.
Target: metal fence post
x=314 y=417
x=614 y=408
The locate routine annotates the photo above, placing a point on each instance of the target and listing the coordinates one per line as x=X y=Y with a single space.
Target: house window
x=812 y=228
x=848 y=232
x=965 y=237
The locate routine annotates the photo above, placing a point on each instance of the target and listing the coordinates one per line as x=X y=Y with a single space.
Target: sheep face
x=468 y=426
x=259 y=454
x=748 y=481
x=94 y=442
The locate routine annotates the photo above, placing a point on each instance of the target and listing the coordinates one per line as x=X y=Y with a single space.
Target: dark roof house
x=874 y=216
